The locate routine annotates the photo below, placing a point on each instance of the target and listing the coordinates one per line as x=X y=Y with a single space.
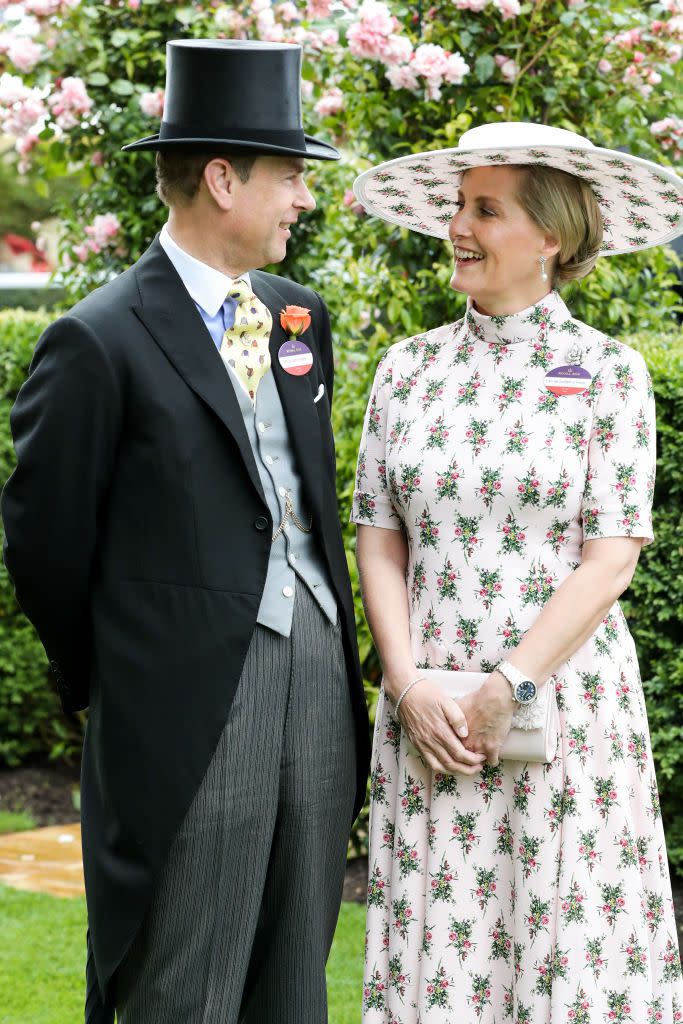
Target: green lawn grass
x=15 y=821
x=42 y=952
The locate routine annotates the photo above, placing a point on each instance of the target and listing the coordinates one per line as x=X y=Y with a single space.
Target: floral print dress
x=528 y=893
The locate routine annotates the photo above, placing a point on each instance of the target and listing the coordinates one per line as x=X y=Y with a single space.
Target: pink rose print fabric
x=529 y=893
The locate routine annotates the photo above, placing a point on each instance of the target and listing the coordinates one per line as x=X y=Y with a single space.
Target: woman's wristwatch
x=527 y=714
x=524 y=690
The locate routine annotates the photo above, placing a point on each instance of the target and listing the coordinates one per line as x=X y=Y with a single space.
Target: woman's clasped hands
x=458 y=735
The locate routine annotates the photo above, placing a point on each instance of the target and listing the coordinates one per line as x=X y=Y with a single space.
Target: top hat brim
x=313 y=149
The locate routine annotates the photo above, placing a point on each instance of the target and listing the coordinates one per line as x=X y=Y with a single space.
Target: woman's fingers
x=440 y=758
x=456 y=717
x=448 y=766
x=453 y=748
x=433 y=722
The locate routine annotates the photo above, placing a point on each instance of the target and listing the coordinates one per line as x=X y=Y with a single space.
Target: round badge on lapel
x=567 y=380
x=295 y=357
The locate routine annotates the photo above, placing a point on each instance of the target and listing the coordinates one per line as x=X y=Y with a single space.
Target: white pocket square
x=321 y=392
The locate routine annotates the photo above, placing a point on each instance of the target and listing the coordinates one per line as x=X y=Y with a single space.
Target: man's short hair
x=179 y=172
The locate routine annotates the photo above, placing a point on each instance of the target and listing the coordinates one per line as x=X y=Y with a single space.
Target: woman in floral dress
x=501 y=509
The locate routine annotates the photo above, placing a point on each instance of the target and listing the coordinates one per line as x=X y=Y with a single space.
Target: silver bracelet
x=411 y=684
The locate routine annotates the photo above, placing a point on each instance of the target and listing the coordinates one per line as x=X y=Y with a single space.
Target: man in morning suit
x=172 y=533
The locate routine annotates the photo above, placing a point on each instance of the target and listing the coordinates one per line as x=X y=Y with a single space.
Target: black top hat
x=231 y=93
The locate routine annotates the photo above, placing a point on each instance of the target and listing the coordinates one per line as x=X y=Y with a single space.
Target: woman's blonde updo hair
x=564 y=206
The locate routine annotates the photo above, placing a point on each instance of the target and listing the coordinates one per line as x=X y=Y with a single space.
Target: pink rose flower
x=399 y=50
x=330 y=102
x=318 y=9
x=70 y=102
x=508 y=68
x=229 y=20
x=288 y=11
x=455 y=72
x=152 y=103
x=24 y=53
x=508 y=8
x=81 y=252
x=368 y=37
x=41 y=8
x=329 y=38
x=402 y=77
x=103 y=229
x=430 y=60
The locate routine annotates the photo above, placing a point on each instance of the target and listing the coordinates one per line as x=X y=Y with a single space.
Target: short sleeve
x=372 y=504
x=622 y=453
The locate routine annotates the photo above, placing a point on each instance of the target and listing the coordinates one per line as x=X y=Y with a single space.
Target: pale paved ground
x=44 y=860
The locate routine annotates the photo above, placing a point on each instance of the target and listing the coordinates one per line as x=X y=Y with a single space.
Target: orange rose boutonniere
x=295 y=320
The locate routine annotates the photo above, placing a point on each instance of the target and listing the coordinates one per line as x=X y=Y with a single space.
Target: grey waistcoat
x=294 y=553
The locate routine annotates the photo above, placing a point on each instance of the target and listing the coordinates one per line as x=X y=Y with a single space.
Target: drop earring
x=544 y=273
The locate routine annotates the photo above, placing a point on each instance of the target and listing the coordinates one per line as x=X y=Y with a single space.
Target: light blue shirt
x=206 y=286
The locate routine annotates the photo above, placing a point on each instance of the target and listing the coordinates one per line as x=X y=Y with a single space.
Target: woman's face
x=497 y=247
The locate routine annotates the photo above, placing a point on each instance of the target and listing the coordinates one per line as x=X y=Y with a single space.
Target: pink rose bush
x=22 y=115
x=642 y=51
x=412 y=76
x=374 y=36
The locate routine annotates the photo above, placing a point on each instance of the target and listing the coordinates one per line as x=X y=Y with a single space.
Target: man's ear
x=219 y=181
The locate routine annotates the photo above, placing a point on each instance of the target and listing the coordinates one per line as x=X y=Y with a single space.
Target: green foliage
x=31 y=298
x=21 y=203
x=30 y=720
x=15 y=821
x=654 y=602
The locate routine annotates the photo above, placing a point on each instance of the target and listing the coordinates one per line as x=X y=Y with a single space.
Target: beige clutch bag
x=522 y=744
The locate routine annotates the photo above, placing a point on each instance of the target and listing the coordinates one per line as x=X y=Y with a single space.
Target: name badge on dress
x=567 y=380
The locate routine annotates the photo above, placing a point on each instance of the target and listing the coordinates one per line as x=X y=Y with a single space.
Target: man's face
x=265 y=207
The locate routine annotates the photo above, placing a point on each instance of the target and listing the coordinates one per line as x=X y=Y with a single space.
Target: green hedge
x=31 y=724
x=30 y=721
x=654 y=602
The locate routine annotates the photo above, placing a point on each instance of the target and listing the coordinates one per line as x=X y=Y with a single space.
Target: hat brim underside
x=641 y=202
x=314 y=148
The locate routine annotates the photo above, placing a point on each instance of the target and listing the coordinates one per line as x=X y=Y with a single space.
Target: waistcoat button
x=261 y=523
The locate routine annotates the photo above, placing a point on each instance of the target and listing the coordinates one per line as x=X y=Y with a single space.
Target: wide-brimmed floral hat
x=641 y=202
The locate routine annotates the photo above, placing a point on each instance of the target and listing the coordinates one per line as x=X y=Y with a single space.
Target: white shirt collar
x=207 y=286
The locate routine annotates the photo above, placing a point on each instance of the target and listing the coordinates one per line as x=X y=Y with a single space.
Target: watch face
x=525 y=691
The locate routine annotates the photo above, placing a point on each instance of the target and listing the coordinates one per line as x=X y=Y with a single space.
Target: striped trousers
x=244 y=912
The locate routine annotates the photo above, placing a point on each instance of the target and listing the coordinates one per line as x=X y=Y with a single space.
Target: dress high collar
x=512 y=328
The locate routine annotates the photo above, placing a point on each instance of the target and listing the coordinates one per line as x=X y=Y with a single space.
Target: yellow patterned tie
x=245 y=344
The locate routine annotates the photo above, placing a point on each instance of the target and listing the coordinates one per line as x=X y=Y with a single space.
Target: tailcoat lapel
x=171 y=317
x=296 y=395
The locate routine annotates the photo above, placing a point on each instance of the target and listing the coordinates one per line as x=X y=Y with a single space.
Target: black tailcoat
x=137 y=537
